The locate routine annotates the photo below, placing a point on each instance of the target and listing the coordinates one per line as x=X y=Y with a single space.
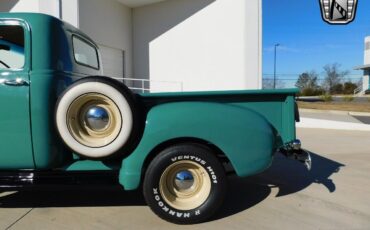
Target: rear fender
x=245 y=137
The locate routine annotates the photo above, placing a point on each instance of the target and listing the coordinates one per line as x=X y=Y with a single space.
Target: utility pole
x=276 y=45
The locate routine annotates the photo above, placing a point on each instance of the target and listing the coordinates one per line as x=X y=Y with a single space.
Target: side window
x=11 y=47
x=85 y=53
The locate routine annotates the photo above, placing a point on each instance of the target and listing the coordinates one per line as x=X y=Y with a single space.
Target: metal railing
x=289 y=80
x=358 y=90
x=141 y=85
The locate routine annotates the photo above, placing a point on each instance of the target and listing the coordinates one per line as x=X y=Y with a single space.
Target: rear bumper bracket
x=294 y=151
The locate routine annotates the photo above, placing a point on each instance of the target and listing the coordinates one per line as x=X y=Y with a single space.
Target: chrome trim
x=97 y=118
x=293 y=150
x=184 y=180
x=296 y=145
x=14 y=82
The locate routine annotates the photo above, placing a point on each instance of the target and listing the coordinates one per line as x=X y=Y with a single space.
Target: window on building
x=11 y=47
x=85 y=53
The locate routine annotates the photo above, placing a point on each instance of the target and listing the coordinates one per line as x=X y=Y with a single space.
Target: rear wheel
x=185 y=184
x=96 y=117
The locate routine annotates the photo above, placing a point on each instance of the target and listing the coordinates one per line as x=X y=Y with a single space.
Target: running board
x=19 y=180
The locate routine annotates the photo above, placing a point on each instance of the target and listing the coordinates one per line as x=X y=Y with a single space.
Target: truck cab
x=35 y=48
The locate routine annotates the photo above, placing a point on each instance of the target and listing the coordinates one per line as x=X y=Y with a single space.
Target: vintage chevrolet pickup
x=63 y=123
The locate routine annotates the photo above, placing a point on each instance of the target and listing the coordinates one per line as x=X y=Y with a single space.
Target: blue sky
x=307 y=42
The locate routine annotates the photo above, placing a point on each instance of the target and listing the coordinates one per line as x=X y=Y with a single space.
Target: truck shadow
x=78 y=197
x=286 y=175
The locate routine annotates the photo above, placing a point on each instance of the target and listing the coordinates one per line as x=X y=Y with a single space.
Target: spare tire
x=97 y=117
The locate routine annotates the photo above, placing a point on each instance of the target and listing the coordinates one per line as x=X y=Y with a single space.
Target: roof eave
x=362 y=67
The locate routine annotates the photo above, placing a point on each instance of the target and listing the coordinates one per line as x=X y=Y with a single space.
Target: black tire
x=123 y=118
x=158 y=194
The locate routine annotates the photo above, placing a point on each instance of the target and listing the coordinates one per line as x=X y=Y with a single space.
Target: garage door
x=113 y=62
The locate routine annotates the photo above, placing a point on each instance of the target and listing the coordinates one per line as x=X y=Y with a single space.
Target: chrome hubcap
x=97 y=118
x=184 y=180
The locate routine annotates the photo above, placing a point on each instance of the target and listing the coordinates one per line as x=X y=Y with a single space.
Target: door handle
x=15 y=82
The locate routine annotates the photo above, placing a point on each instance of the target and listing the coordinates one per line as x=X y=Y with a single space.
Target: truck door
x=15 y=130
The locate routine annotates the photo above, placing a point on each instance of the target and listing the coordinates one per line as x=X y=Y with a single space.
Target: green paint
x=88 y=165
x=50 y=68
x=246 y=137
x=247 y=126
x=15 y=134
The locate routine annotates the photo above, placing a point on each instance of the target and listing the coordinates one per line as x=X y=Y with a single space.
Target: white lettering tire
x=185 y=184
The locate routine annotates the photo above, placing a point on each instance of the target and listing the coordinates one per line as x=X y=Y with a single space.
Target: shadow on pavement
x=287 y=175
x=363 y=119
x=72 y=198
x=291 y=177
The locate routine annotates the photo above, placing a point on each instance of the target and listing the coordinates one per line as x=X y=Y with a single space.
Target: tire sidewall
x=200 y=156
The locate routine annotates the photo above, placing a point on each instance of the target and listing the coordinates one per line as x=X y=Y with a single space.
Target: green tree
x=307 y=80
x=269 y=84
x=307 y=83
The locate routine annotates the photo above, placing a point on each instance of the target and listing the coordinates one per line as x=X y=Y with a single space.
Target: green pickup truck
x=63 y=123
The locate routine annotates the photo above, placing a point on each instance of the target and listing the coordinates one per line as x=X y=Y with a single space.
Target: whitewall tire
x=95 y=118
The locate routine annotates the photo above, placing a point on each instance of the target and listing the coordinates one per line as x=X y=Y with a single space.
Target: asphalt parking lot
x=333 y=195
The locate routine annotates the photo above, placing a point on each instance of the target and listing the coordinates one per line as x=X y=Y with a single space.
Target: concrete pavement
x=333 y=195
x=338 y=120
x=329 y=124
x=330 y=115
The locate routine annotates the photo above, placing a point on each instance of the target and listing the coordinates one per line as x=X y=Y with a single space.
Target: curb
x=328 y=124
x=359 y=114
x=338 y=112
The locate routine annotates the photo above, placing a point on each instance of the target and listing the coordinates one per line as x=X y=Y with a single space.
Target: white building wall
x=70 y=11
x=206 y=44
x=108 y=23
x=20 y=5
x=367 y=51
x=366 y=77
x=64 y=9
x=50 y=7
x=366 y=82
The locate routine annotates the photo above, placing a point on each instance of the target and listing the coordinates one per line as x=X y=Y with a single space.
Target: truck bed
x=277 y=106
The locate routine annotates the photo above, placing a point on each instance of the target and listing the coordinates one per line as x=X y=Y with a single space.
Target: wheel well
x=218 y=152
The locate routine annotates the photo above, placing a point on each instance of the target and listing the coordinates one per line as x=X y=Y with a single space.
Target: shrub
x=349 y=88
x=319 y=91
x=348 y=98
x=326 y=97
x=337 y=89
x=311 y=92
x=308 y=92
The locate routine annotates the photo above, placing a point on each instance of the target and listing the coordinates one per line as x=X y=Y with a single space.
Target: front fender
x=246 y=137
